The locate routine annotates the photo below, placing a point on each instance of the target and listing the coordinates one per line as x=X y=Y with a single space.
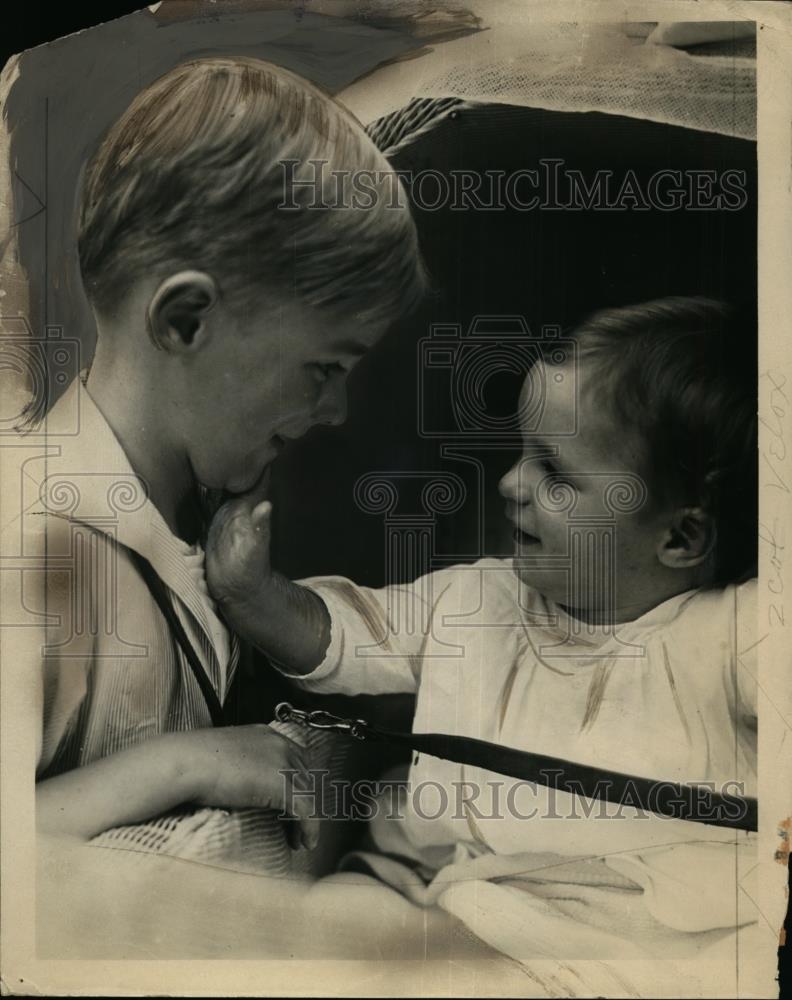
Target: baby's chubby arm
x=289 y=622
x=328 y=633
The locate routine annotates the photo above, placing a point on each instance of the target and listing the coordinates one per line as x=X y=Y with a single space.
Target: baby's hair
x=682 y=372
x=191 y=176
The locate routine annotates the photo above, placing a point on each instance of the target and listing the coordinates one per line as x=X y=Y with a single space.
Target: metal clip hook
x=319 y=719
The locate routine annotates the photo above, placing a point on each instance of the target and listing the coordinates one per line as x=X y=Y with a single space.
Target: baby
x=618 y=636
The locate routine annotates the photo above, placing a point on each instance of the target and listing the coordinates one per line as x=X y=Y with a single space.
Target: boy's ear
x=689 y=540
x=176 y=314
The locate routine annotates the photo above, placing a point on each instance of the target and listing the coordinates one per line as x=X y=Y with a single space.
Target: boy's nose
x=332 y=409
x=337 y=416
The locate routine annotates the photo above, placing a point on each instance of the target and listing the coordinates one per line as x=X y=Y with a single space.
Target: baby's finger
x=261 y=514
x=259 y=490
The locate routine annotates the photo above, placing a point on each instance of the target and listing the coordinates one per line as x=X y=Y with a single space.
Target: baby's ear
x=178 y=308
x=689 y=540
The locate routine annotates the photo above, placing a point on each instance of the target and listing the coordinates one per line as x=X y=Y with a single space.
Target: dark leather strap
x=160 y=594
x=696 y=803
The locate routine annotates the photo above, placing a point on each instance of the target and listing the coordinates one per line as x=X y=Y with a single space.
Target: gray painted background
x=69 y=92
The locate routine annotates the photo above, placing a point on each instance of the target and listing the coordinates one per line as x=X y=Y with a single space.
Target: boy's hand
x=243 y=767
x=238 y=547
x=238 y=767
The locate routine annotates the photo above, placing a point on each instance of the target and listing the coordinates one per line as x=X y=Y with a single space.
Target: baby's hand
x=238 y=549
x=288 y=621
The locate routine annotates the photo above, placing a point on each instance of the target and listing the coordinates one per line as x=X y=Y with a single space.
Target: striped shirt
x=81 y=624
x=111 y=673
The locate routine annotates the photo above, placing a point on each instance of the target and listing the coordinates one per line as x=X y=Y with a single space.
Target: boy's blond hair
x=192 y=175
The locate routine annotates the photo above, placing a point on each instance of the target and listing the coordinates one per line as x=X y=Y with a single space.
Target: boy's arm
x=86 y=801
x=329 y=633
x=235 y=767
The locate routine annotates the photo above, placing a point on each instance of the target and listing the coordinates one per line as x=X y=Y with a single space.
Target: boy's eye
x=323 y=371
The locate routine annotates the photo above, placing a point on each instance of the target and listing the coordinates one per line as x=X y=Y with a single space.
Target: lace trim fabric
x=569 y=69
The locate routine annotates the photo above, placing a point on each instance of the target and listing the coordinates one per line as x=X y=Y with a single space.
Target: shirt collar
x=86 y=476
x=557 y=621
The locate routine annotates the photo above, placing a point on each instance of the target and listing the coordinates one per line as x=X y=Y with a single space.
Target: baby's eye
x=548 y=467
x=553 y=475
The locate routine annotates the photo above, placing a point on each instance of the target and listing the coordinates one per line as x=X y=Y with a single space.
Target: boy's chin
x=257 y=483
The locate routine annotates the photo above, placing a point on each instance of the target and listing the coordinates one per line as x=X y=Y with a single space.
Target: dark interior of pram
x=549 y=266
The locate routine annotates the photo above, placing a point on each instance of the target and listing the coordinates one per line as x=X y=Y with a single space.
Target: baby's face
x=584 y=534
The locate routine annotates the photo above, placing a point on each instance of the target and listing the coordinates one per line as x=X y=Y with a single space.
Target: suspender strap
x=160 y=594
